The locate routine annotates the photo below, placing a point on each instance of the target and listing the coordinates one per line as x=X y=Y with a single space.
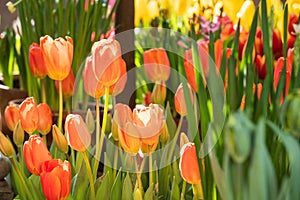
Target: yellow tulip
x=246 y=14
x=231 y=8
x=294 y=6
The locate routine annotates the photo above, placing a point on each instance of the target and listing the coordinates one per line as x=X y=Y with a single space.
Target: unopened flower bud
x=114 y=130
x=6 y=146
x=164 y=137
x=18 y=134
x=137 y=194
x=59 y=139
x=183 y=139
x=159 y=93
x=89 y=120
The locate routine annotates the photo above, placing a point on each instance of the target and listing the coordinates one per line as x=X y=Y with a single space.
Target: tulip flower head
x=157 y=65
x=179 y=100
x=119 y=86
x=35 y=154
x=188 y=164
x=6 y=146
x=36 y=61
x=107 y=61
x=77 y=133
x=56 y=179
x=29 y=115
x=58 y=55
x=45 y=118
x=11 y=116
x=138 y=127
x=67 y=85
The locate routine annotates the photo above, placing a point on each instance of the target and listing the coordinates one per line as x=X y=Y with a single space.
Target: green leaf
x=104 y=188
x=80 y=183
x=164 y=182
x=149 y=193
x=170 y=121
x=116 y=190
x=175 y=193
x=127 y=190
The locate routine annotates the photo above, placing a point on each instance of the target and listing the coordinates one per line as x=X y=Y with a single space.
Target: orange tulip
x=77 y=133
x=91 y=85
x=29 y=115
x=179 y=100
x=56 y=179
x=6 y=146
x=157 y=65
x=58 y=55
x=35 y=154
x=11 y=116
x=36 y=61
x=188 y=164
x=67 y=85
x=277 y=44
x=106 y=62
x=119 y=86
x=45 y=118
x=140 y=127
x=279 y=67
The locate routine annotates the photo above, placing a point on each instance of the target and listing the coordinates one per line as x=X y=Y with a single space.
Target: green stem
x=96 y=163
x=45 y=139
x=60 y=105
x=95 y=169
x=90 y=174
x=28 y=193
x=183 y=190
x=44 y=100
x=116 y=160
x=197 y=191
x=175 y=140
x=150 y=169
x=138 y=174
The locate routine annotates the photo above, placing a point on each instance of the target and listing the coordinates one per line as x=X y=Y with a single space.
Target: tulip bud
x=6 y=146
x=147 y=98
x=261 y=69
x=180 y=104
x=35 y=154
x=291 y=42
x=183 y=139
x=45 y=118
x=18 y=135
x=159 y=93
x=188 y=164
x=59 y=139
x=29 y=115
x=77 y=133
x=164 y=136
x=11 y=116
x=89 y=120
x=114 y=130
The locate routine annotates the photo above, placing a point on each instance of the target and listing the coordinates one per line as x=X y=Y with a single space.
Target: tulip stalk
x=90 y=174
x=60 y=105
x=44 y=100
x=175 y=140
x=115 y=160
x=183 y=190
x=104 y=120
x=150 y=168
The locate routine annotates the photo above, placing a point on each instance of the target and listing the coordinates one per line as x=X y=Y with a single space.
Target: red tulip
x=11 y=116
x=77 y=133
x=29 y=115
x=258 y=45
x=157 y=65
x=242 y=42
x=36 y=61
x=227 y=32
x=106 y=61
x=279 y=67
x=140 y=127
x=277 y=44
x=45 y=118
x=293 y=19
x=91 y=85
x=261 y=69
x=179 y=100
x=58 y=55
x=67 y=85
x=188 y=164
x=147 y=99
x=35 y=154
x=56 y=179
x=291 y=42
x=119 y=86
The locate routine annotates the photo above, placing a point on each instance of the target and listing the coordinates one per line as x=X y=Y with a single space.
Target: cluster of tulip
x=138 y=132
